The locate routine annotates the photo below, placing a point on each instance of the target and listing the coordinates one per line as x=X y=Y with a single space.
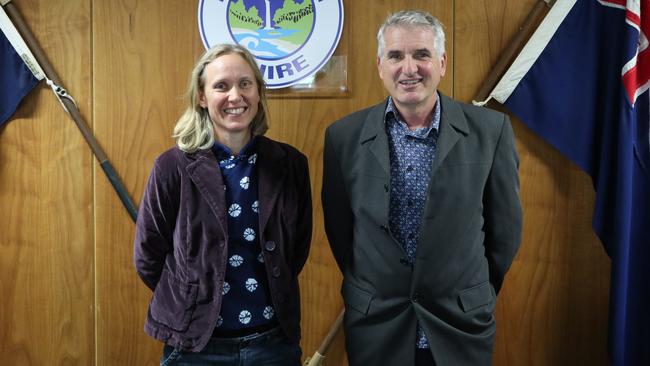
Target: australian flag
x=581 y=82
x=16 y=78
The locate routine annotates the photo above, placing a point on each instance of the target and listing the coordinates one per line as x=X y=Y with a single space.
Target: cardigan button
x=269 y=245
x=276 y=271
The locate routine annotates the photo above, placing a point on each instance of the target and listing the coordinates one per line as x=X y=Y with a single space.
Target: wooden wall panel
x=70 y=289
x=553 y=307
x=46 y=234
x=143 y=51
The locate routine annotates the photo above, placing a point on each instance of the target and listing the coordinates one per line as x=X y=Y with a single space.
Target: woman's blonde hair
x=194 y=130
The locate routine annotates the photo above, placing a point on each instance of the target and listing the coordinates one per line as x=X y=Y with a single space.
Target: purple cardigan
x=182 y=234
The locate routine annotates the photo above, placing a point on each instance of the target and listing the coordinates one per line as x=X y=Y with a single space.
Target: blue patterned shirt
x=246 y=297
x=411 y=157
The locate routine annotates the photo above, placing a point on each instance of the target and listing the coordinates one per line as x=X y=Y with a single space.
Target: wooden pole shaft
x=72 y=109
x=515 y=45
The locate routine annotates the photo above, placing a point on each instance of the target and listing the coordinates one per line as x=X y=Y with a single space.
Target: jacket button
x=415 y=297
x=269 y=245
x=276 y=271
x=404 y=261
x=384 y=228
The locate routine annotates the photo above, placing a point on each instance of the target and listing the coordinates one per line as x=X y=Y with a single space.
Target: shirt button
x=269 y=245
x=276 y=271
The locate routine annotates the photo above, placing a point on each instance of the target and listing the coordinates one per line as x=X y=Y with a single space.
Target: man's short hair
x=413 y=18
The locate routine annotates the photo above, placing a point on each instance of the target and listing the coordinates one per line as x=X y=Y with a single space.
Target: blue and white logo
x=290 y=39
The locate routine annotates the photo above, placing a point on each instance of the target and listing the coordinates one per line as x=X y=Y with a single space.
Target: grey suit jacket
x=471 y=230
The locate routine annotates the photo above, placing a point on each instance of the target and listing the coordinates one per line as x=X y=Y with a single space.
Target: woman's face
x=230 y=95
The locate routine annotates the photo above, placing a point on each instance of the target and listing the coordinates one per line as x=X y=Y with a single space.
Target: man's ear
x=443 y=64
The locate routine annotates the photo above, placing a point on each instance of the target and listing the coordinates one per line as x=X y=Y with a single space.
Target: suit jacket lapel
x=374 y=136
x=271 y=172
x=452 y=126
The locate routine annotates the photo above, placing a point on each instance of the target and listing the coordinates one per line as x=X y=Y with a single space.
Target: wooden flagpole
x=319 y=356
x=70 y=106
x=515 y=45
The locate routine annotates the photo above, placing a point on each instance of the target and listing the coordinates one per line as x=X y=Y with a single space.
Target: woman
x=224 y=226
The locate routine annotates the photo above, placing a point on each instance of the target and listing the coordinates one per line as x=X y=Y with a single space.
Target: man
x=422 y=211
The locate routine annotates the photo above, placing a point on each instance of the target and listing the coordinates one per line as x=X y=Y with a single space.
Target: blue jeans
x=271 y=348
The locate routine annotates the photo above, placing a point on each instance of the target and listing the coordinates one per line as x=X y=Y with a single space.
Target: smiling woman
x=225 y=288
x=230 y=95
x=225 y=77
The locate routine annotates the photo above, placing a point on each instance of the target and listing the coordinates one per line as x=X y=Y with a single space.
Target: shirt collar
x=392 y=114
x=222 y=151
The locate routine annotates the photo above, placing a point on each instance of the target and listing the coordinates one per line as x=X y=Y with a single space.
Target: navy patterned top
x=246 y=297
x=411 y=157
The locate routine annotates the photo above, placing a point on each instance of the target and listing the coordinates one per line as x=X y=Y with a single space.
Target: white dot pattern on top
x=244 y=182
x=249 y=234
x=236 y=260
x=246 y=296
x=251 y=284
x=268 y=312
x=245 y=316
x=234 y=210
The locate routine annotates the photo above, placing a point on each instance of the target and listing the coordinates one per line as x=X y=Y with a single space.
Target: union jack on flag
x=582 y=83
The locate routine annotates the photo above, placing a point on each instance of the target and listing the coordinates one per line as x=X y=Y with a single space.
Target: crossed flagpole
x=26 y=45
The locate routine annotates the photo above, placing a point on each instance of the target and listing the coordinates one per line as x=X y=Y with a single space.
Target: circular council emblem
x=290 y=39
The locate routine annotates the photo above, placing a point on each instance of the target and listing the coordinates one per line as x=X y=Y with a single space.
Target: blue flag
x=16 y=79
x=581 y=83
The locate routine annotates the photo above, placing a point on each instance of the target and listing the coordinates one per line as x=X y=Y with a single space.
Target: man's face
x=410 y=67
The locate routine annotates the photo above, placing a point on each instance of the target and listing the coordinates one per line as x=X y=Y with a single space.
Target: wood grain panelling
x=46 y=233
x=553 y=307
x=143 y=51
x=70 y=292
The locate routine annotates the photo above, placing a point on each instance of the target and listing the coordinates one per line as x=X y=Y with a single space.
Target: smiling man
x=422 y=211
